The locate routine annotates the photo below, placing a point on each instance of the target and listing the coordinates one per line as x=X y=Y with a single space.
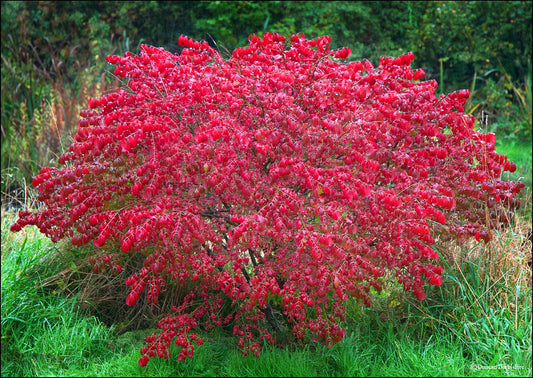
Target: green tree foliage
x=475 y=35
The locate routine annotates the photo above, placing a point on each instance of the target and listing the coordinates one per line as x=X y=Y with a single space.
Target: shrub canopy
x=283 y=181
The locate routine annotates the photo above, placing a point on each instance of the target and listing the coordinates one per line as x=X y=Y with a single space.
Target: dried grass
x=501 y=267
x=104 y=294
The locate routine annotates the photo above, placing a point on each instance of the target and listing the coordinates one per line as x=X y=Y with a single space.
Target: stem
x=441 y=76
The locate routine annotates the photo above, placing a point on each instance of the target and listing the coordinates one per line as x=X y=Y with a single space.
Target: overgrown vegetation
x=60 y=318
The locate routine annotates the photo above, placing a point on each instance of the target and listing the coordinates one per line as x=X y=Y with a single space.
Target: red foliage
x=283 y=178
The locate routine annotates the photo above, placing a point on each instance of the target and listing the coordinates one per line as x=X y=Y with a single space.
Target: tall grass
x=40 y=330
x=486 y=299
x=39 y=118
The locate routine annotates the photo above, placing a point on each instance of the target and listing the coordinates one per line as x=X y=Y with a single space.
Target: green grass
x=467 y=327
x=42 y=333
x=519 y=151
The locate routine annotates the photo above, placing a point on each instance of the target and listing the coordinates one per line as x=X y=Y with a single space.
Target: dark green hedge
x=469 y=35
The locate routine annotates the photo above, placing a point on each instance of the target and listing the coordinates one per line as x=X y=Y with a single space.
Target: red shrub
x=282 y=178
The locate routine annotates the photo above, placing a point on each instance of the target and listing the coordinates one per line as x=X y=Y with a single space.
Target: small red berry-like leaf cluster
x=282 y=181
